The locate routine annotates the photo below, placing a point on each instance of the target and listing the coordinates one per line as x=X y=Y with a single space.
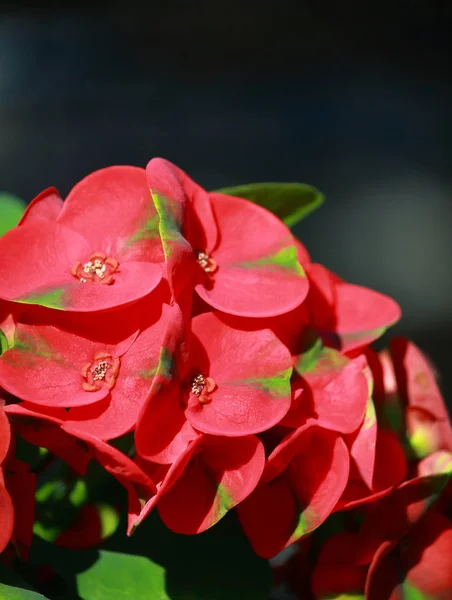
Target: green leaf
x=11 y=210
x=13 y=593
x=157 y=564
x=291 y=202
x=117 y=576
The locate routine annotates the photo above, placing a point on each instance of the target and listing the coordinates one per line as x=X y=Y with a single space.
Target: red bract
x=389 y=469
x=102 y=250
x=347 y=316
x=421 y=567
x=102 y=374
x=208 y=479
x=6 y=505
x=232 y=382
x=427 y=421
x=334 y=389
x=338 y=570
x=302 y=482
x=46 y=206
x=246 y=270
x=21 y=485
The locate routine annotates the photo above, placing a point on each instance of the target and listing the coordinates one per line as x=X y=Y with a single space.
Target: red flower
x=102 y=374
x=231 y=382
x=247 y=263
x=211 y=476
x=101 y=251
x=345 y=315
x=303 y=479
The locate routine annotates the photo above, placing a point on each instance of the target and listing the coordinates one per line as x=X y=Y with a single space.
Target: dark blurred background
x=351 y=97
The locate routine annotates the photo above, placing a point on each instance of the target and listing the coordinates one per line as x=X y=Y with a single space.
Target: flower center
x=207 y=264
x=99 y=268
x=103 y=370
x=202 y=387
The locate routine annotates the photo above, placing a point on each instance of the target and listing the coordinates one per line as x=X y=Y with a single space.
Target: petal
x=427 y=558
x=47 y=206
x=318 y=478
x=166 y=475
x=421 y=568
x=5 y=435
x=395 y=515
x=162 y=431
x=114 y=211
x=363 y=444
x=118 y=414
x=45 y=364
x=346 y=315
x=133 y=281
x=258 y=273
x=41 y=426
x=362 y=315
x=336 y=386
x=268 y=516
x=252 y=372
x=438 y=462
x=223 y=474
x=36 y=263
x=416 y=380
x=166 y=183
x=6 y=515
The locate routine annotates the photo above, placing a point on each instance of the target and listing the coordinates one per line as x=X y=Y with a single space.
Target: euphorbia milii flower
x=345 y=315
x=211 y=476
x=100 y=251
x=246 y=258
x=101 y=373
x=303 y=479
x=231 y=382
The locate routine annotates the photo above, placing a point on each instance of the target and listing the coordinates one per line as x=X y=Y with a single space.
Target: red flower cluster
x=196 y=321
x=396 y=541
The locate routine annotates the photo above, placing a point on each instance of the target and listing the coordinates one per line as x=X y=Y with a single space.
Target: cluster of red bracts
x=196 y=321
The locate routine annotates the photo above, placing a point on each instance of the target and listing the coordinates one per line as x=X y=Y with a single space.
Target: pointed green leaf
x=291 y=202
x=117 y=576
x=11 y=209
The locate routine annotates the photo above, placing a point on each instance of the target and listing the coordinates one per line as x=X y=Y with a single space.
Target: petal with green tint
x=251 y=371
x=334 y=387
x=224 y=472
x=258 y=273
